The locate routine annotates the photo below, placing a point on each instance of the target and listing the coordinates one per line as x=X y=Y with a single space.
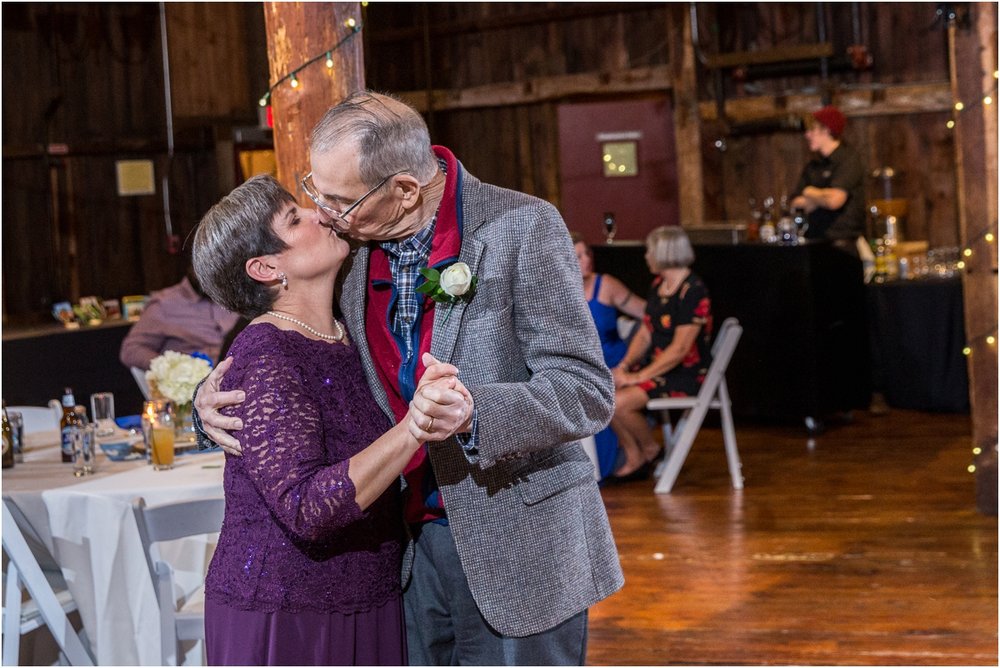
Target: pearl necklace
x=327 y=337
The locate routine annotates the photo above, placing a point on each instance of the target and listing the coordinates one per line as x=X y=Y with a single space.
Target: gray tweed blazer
x=526 y=515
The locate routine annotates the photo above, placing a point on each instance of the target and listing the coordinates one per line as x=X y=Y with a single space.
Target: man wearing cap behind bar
x=831 y=188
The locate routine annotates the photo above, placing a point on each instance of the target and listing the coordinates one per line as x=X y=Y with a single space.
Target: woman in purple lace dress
x=307 y=568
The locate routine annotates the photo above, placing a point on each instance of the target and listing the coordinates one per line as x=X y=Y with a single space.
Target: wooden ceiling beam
x=542 y=89
x=878 y=100
x=560 y=12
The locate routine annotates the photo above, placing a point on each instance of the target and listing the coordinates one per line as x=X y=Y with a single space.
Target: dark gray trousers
x=445 y=628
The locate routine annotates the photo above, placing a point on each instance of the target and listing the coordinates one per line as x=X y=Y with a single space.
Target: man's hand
x=441 y=406
x=209 y=400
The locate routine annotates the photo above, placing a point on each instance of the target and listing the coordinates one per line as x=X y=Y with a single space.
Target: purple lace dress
x=301 y=575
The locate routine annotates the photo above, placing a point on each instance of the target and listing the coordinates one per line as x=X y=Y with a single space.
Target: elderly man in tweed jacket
x=511 y=542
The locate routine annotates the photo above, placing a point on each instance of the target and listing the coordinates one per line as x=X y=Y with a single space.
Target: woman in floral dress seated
x=669 y=355
x=307 y=568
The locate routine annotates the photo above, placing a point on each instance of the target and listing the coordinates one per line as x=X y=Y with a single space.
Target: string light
x=960 y=106
x=326 y=54
x=990 y=338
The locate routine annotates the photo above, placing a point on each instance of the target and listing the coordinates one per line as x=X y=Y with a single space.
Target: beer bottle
x=70 y=419
x=8 y=441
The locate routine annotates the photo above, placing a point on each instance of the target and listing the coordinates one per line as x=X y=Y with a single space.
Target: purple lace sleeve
x=285 y=457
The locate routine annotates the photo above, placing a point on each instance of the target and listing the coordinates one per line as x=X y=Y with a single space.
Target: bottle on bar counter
x=70 y=420
x=8 y=441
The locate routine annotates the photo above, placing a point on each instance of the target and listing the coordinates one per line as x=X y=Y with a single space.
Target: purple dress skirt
x=241 y=638
x=301 y=575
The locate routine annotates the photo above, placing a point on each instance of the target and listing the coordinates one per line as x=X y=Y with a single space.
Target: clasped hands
x=441 y=405
x=623 y=377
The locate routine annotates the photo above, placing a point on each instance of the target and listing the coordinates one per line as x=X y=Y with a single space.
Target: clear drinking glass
x=16 y=421
x=158 y=432
x=84 y=441
x=102 y=409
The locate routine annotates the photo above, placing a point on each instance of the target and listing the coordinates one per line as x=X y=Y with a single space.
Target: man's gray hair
x=236 y=229
x=668 y=247
x=390 y=136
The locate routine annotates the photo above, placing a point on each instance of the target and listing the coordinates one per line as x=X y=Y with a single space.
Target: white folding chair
x=678 y=440
x=171 y=521
x=140 y=380
x=49 y=601
x=38 y=418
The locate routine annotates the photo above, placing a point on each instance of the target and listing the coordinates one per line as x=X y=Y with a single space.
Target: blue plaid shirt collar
x=406 y=258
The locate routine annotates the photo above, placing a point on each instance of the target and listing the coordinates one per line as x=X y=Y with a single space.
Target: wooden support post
x=296 y=33
x=973 y=63
x=687 y=120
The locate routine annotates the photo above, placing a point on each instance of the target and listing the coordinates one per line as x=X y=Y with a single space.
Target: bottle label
x=67 y=441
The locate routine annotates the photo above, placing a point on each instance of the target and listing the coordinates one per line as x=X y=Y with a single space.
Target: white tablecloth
x=90 y=530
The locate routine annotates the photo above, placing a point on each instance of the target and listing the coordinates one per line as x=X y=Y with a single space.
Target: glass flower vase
x=183 y=425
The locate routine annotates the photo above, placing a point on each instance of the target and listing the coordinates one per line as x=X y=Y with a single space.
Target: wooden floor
x=861 y=546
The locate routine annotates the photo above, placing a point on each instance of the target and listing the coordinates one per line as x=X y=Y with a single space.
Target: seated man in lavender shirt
x=306 y=571
x=180 y=318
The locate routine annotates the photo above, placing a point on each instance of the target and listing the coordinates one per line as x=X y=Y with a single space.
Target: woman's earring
x=284 y=281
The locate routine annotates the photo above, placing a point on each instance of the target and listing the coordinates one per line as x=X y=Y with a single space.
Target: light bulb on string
x=967 y=252
x=950 y=124
x=294 y=83
x=987 y=100
x=991 y=339
x=350 y=23
x=263 y=100
x=960 y=264
x=329 y=60
x=966 y=351
x=959 y=106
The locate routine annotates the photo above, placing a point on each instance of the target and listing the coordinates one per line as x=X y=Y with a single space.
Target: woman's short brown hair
x=236 y=229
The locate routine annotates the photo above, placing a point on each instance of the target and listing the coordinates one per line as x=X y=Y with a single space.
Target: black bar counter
x=39 y=362
x=917 y=336
x=804 y=354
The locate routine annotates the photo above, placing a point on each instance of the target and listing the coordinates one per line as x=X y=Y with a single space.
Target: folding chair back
x=167 y=522
x=140 y=380
x=713 y=394
x=49 y=601
x=37 y=418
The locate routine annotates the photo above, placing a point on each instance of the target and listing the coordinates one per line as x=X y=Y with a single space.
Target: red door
x=618 y=158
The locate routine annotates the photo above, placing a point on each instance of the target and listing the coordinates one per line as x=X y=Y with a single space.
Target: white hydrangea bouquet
x=175 y=376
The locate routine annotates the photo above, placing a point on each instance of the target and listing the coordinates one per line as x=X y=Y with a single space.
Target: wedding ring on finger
x=430 y=425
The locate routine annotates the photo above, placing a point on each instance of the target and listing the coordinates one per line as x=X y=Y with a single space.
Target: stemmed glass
x=610 y=226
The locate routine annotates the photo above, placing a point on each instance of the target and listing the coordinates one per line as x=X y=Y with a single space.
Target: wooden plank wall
x=89 y=77
x=496 y=73
x=479 y=46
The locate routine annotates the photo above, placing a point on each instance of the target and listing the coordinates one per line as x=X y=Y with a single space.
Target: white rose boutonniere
x=452 y=285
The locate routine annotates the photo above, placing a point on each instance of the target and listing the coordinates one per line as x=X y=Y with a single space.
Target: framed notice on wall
x=135 y=177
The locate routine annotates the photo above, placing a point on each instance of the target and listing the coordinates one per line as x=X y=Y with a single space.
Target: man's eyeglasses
x=322 y=202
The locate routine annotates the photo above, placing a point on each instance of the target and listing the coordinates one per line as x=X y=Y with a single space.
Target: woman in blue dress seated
x=607 y=298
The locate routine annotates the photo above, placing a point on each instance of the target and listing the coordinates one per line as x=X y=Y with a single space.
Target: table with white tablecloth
x=87 y=524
